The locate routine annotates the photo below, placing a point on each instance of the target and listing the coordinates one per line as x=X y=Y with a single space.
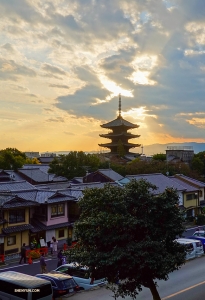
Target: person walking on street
x=55 y=244
x=51 y=247
x=43 y=263
x=60 y=258
x=23 y=253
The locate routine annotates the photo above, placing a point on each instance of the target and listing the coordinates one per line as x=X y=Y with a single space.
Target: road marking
x=17 y=266
x=182 y=291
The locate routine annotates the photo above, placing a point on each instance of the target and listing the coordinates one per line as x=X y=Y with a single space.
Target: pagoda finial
x=119 y=105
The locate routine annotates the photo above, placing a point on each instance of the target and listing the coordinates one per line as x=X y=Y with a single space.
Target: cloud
x=67 y=64
x=57 y=120
x=60 y=86
x=52 y=69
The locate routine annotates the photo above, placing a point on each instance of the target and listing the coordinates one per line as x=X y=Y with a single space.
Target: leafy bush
x=200 y=220
x=34 y=254
x=190 y=219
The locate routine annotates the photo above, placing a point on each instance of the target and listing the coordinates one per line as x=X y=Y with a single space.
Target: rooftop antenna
x=142 y=149
x=119 y=105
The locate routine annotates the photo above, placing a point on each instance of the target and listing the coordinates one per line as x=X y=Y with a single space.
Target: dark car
x=61 y=284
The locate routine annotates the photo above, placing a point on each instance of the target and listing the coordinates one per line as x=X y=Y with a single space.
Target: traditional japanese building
x=119 y=135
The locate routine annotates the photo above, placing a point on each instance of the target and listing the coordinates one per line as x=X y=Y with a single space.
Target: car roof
x=55 y=275
x=199 y=231
x=23 y=279
x=76 y=265
x=187 y=239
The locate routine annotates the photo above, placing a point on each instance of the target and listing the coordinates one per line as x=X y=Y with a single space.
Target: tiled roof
x=190 y=180
x=159 y=180
x=110 y=174
x=52 y=197
x=27 y=195
x=34 y=174
x=37 y=175
x=38 y=226
x=43 y=167
x=16 y=186
x=54 y=186
x=188 y=187
x=19 y=202
x=82 y=186
x=45 y=160
x=17 y=228
x=15 y=175
x=119 y=122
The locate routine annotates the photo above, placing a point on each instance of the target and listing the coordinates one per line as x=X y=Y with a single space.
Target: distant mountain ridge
x=153 y=148
x=161 y=148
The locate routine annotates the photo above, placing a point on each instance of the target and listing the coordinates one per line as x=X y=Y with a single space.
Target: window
x=11 y=240
x=57 y=210
x=190 y=197
x=61 y=233
x=17 y=216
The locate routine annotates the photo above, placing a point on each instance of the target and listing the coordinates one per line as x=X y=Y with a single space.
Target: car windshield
x=68 y=283
x=199 y=234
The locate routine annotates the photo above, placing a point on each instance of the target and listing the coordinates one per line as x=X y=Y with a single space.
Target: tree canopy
x=74 y=164
x=159 y=156
x=11 y=158
x=130 y=232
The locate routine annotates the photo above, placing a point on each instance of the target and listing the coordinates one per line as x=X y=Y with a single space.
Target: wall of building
x=55 y=220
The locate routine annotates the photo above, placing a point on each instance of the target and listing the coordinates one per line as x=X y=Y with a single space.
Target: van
x=198 y=247
x=190 y=252
x=19 y=286
x=199 y=238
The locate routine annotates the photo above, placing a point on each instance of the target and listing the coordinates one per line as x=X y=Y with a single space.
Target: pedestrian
x=50 y=246
x=23 y=253
x=43 y=263
x=55 y=244
x=60 y=258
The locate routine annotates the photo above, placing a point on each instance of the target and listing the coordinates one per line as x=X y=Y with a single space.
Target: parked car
x=199 y=233
x=190 y=252
x=61 y=284
x=199 y=238
x=198 y=247
x=82 y=276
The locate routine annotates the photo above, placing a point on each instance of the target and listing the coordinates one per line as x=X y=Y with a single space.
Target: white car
x=81 y=275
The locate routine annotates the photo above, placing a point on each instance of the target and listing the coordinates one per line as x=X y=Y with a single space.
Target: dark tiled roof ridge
x=189 y=180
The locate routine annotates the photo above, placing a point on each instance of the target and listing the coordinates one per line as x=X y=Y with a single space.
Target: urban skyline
x=63 y=65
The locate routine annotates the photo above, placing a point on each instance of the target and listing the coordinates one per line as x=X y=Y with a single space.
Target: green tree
x=159 y=156
x=197 y=164
x=11 y=158
x=130 y=231
x=74 y=164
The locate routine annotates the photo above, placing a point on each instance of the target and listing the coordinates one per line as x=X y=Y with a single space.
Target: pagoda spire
x=119 y=105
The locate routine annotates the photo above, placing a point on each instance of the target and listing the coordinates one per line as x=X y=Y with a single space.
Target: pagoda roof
x=119 y=122
x=112 y=134
x=116 y=144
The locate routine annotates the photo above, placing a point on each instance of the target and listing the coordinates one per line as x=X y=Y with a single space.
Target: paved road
x=187 y=283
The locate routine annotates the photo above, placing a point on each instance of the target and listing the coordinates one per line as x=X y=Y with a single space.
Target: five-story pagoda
x=119 y=135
